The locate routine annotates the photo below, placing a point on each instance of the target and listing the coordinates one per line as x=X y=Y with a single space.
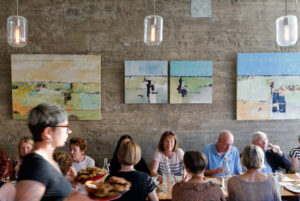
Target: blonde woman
x=253 y=185
x=167 y=147
x=142 y=186
x=25 y=146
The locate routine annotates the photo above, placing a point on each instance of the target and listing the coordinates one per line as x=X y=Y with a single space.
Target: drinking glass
x=297 y=174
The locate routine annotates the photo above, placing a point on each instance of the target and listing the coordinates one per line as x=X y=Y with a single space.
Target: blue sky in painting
x=191 y=68
x=268 y=64
x=146 y=68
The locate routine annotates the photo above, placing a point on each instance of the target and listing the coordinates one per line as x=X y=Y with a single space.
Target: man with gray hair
x=274 y=158
x=222 y=156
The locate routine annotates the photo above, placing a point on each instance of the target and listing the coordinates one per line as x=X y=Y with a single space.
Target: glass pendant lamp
x=17 y=30
x=287 y=29
x=153 y=29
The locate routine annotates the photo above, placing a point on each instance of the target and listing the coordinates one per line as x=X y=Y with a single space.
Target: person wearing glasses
x=275 y=159
x=39 y=177
x=78 y=147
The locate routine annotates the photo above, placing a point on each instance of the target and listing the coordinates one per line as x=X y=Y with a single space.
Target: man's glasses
x=63 y=126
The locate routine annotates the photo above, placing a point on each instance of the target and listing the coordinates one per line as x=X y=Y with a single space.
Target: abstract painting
x=146 y=82
x=191 y=81
x=201 y=8
x=268 y=86
x=72 y=81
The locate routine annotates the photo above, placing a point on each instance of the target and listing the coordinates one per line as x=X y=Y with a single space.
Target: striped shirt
x=176 y=162
x=295 y=153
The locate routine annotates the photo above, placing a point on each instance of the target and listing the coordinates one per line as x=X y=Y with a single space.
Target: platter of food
x=91 y=174
x=112 y=189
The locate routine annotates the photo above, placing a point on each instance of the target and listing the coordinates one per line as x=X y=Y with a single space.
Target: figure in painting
x=151 y=93
x=182 y=88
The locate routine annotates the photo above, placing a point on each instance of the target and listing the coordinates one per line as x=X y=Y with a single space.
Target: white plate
x=293 y=188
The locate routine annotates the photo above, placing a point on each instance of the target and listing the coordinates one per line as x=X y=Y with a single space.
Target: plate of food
x=112 y=189
x=293 y=188
x=91 y=174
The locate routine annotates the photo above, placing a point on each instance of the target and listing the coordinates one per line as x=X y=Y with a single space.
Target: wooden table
x=285 y=194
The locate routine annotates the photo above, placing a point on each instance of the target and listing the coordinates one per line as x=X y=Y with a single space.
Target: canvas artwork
x=146 y=82
x=72 y=81
x=191 y=81
x=201 y=8
x=268 y=86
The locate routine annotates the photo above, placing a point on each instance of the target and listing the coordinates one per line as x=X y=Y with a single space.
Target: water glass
x=297 y=174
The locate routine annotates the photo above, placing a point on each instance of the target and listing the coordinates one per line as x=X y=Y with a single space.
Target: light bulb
x=153 y=34
x=286 y=33
x=286 y=29
x=17 y=35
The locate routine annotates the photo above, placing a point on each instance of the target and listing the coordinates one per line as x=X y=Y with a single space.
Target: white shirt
x=87 y=162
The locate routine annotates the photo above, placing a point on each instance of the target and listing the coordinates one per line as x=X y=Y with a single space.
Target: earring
x=49 y=141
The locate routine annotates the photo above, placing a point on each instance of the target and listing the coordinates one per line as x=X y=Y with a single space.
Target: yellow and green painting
x=146 y=82
x=72 y=81
x=191 y=81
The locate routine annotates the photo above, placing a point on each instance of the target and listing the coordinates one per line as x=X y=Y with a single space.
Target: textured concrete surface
x=114 y=29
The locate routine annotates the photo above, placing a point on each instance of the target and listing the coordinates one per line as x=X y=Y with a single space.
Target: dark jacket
x=276 y=161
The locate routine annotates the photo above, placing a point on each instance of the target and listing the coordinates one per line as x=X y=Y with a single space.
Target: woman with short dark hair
x=198 y=187
x=40 y=178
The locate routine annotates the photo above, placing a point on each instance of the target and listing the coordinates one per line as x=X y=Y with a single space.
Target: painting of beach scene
x=268 y=86
x=146 y=82
x=72 y=81
x=191 y=81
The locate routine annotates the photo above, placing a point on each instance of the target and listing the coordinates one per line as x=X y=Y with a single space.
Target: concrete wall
x=114 y=29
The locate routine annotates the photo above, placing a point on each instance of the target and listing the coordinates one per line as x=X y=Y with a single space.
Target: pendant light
x=17 y=31
x=153 y=29
x=287 y=29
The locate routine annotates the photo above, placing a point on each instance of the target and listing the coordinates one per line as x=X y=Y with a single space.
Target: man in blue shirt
x=222 y=157
x=274 y=158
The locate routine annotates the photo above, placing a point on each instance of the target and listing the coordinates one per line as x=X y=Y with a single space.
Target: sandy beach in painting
x=254 y=97
x=72 y=81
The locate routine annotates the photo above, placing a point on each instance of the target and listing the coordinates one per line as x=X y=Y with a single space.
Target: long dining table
x=285 y=194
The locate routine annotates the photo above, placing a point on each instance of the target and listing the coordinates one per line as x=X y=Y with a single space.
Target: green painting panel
x=198 y=90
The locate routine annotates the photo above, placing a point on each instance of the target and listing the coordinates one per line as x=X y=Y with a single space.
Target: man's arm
x=213 y=172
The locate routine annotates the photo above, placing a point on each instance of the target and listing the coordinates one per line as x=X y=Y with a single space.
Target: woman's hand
x=160 y=179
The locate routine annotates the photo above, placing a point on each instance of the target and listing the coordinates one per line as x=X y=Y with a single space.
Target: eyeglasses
x=63 y=126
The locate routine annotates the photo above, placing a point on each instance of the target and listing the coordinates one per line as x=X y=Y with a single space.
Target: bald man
x=220 y=153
